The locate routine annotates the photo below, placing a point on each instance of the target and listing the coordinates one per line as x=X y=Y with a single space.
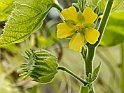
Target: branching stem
x=72 y=74
x=91 y=48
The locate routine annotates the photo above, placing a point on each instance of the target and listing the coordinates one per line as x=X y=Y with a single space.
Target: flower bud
x=41 y=66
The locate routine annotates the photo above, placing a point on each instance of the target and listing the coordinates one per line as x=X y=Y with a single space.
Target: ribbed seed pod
x=41 y=66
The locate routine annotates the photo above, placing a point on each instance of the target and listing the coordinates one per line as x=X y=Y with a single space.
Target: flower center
x=79 y=28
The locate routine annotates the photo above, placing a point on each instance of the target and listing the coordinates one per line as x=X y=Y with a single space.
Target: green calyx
x=41 y=66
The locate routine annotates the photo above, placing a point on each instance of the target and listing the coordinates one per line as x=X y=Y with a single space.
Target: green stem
x=74 y=75
x=57 y=6
x=89 y=60
x=91 y=48
x=104 y=20
x=89 y=65
x=122 y=68
x=101 y=29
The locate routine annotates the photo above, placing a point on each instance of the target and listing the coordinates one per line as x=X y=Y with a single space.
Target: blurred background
x=110 y=53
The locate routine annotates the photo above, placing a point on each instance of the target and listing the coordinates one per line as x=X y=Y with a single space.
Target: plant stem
x=89 y=60
x=56 y=5
x=101 y=29
x=104 y=20
x=89 y=65
x=92 y=48
x=122 y=68
x=72 y=74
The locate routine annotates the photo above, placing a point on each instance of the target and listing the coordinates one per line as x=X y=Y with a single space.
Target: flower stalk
x=72 y=74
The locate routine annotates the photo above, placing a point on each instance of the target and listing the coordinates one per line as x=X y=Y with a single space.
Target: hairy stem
x=72 y=74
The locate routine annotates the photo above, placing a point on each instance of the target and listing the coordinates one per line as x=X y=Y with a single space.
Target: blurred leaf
x=44 y=42
x=41 y=66
x=84 y=89
x=95 y=2
x=5 y=85
x=5 y=9
x=11 y=48
x=100 y=4
x=118 y=5
x=26 y=18
x=114 y=33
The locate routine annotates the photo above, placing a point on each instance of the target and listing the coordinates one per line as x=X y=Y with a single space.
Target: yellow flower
x=79 y=26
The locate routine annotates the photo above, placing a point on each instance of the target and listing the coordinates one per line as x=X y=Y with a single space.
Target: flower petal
x=70 y=13
x=63 y=30
x=77 y=42
x=92 y=35
x=89 y=15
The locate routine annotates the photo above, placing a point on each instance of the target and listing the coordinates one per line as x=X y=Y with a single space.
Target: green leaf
x=92 y=77
x=41 y=66
x=95 y=72
x=84 y=89
x=114 y=33
x=5 y=9
x=26 y=17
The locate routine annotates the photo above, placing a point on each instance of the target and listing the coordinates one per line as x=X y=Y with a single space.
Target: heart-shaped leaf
x=26 y=17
